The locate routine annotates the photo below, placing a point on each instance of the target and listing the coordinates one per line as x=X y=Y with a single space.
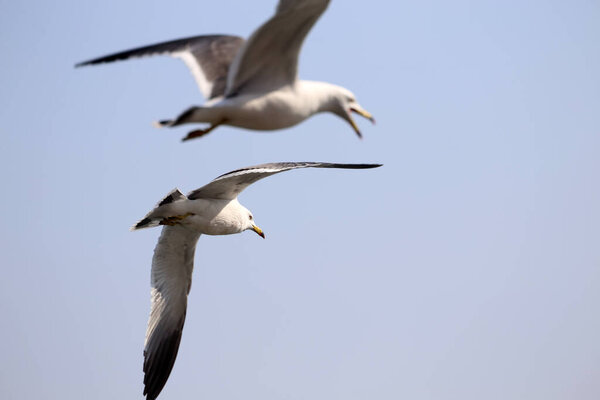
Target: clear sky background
x=468 y=267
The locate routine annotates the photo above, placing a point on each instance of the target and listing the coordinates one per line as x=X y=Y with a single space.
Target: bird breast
x=274 y=110
x=216 y=217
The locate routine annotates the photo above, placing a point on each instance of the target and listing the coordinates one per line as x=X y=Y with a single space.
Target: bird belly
x=212 y=217
x=275 y=110
x=213 y=226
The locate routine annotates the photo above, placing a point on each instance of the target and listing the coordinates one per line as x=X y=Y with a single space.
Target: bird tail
x=154 y=217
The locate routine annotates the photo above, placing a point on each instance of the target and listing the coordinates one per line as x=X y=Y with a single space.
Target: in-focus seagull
x=254 y=84
x=212 y=210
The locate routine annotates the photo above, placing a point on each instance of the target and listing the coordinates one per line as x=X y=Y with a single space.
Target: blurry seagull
x=254 y=84
x=212 y=210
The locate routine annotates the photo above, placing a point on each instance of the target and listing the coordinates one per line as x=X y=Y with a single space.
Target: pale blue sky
x=468 y=267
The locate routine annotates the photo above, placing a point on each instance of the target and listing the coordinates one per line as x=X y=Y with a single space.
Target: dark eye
x=250 y=216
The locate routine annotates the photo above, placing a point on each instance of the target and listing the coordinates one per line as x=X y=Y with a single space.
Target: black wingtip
x=142 y=224
x=86 y=63
x=158 y=367
x=100 y=60
x=356 y=166
x=372 y=165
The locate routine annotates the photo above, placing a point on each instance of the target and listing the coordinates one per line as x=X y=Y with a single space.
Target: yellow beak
x=258 y=231
x=354 y=126
x=363 y=113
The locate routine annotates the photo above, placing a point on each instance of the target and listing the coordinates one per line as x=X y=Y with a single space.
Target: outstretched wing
x=172 y=267
x=208 y=57
x=269 y=58
x=231 y=184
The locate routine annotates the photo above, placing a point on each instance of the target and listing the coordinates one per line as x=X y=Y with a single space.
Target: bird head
x=345 y=104
x=251 y=226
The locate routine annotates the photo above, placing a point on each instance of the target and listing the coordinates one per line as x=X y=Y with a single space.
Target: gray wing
x=269 y=58
x=231 y=184
x=172 y=267
x=208 y=57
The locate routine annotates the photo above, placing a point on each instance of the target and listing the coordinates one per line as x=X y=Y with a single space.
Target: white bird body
x=273 y=110
x=206 y=216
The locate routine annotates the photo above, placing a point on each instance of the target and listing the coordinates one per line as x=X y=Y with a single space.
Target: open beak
x=258 y=231
x=363 y=113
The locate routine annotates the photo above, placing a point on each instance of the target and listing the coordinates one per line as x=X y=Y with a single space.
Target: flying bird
x=254 y=83
x=212 y=210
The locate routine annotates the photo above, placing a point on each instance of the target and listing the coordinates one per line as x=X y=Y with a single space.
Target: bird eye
x=250 y=216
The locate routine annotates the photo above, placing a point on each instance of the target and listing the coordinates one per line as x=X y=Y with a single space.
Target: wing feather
x=207 y=56
x=172 y=267
x=269 y=58
x=231 y=184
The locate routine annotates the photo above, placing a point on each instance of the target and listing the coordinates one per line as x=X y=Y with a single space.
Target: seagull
x=211 y=210
x=253 y=84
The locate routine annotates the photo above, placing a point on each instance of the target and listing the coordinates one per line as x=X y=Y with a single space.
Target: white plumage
x=214 y=210
x=254 y=84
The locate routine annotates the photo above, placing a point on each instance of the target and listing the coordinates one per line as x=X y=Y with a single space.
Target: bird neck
x=319 y=96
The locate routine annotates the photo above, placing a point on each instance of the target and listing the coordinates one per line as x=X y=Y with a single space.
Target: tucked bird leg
x=201 y=132
x=174 y=220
